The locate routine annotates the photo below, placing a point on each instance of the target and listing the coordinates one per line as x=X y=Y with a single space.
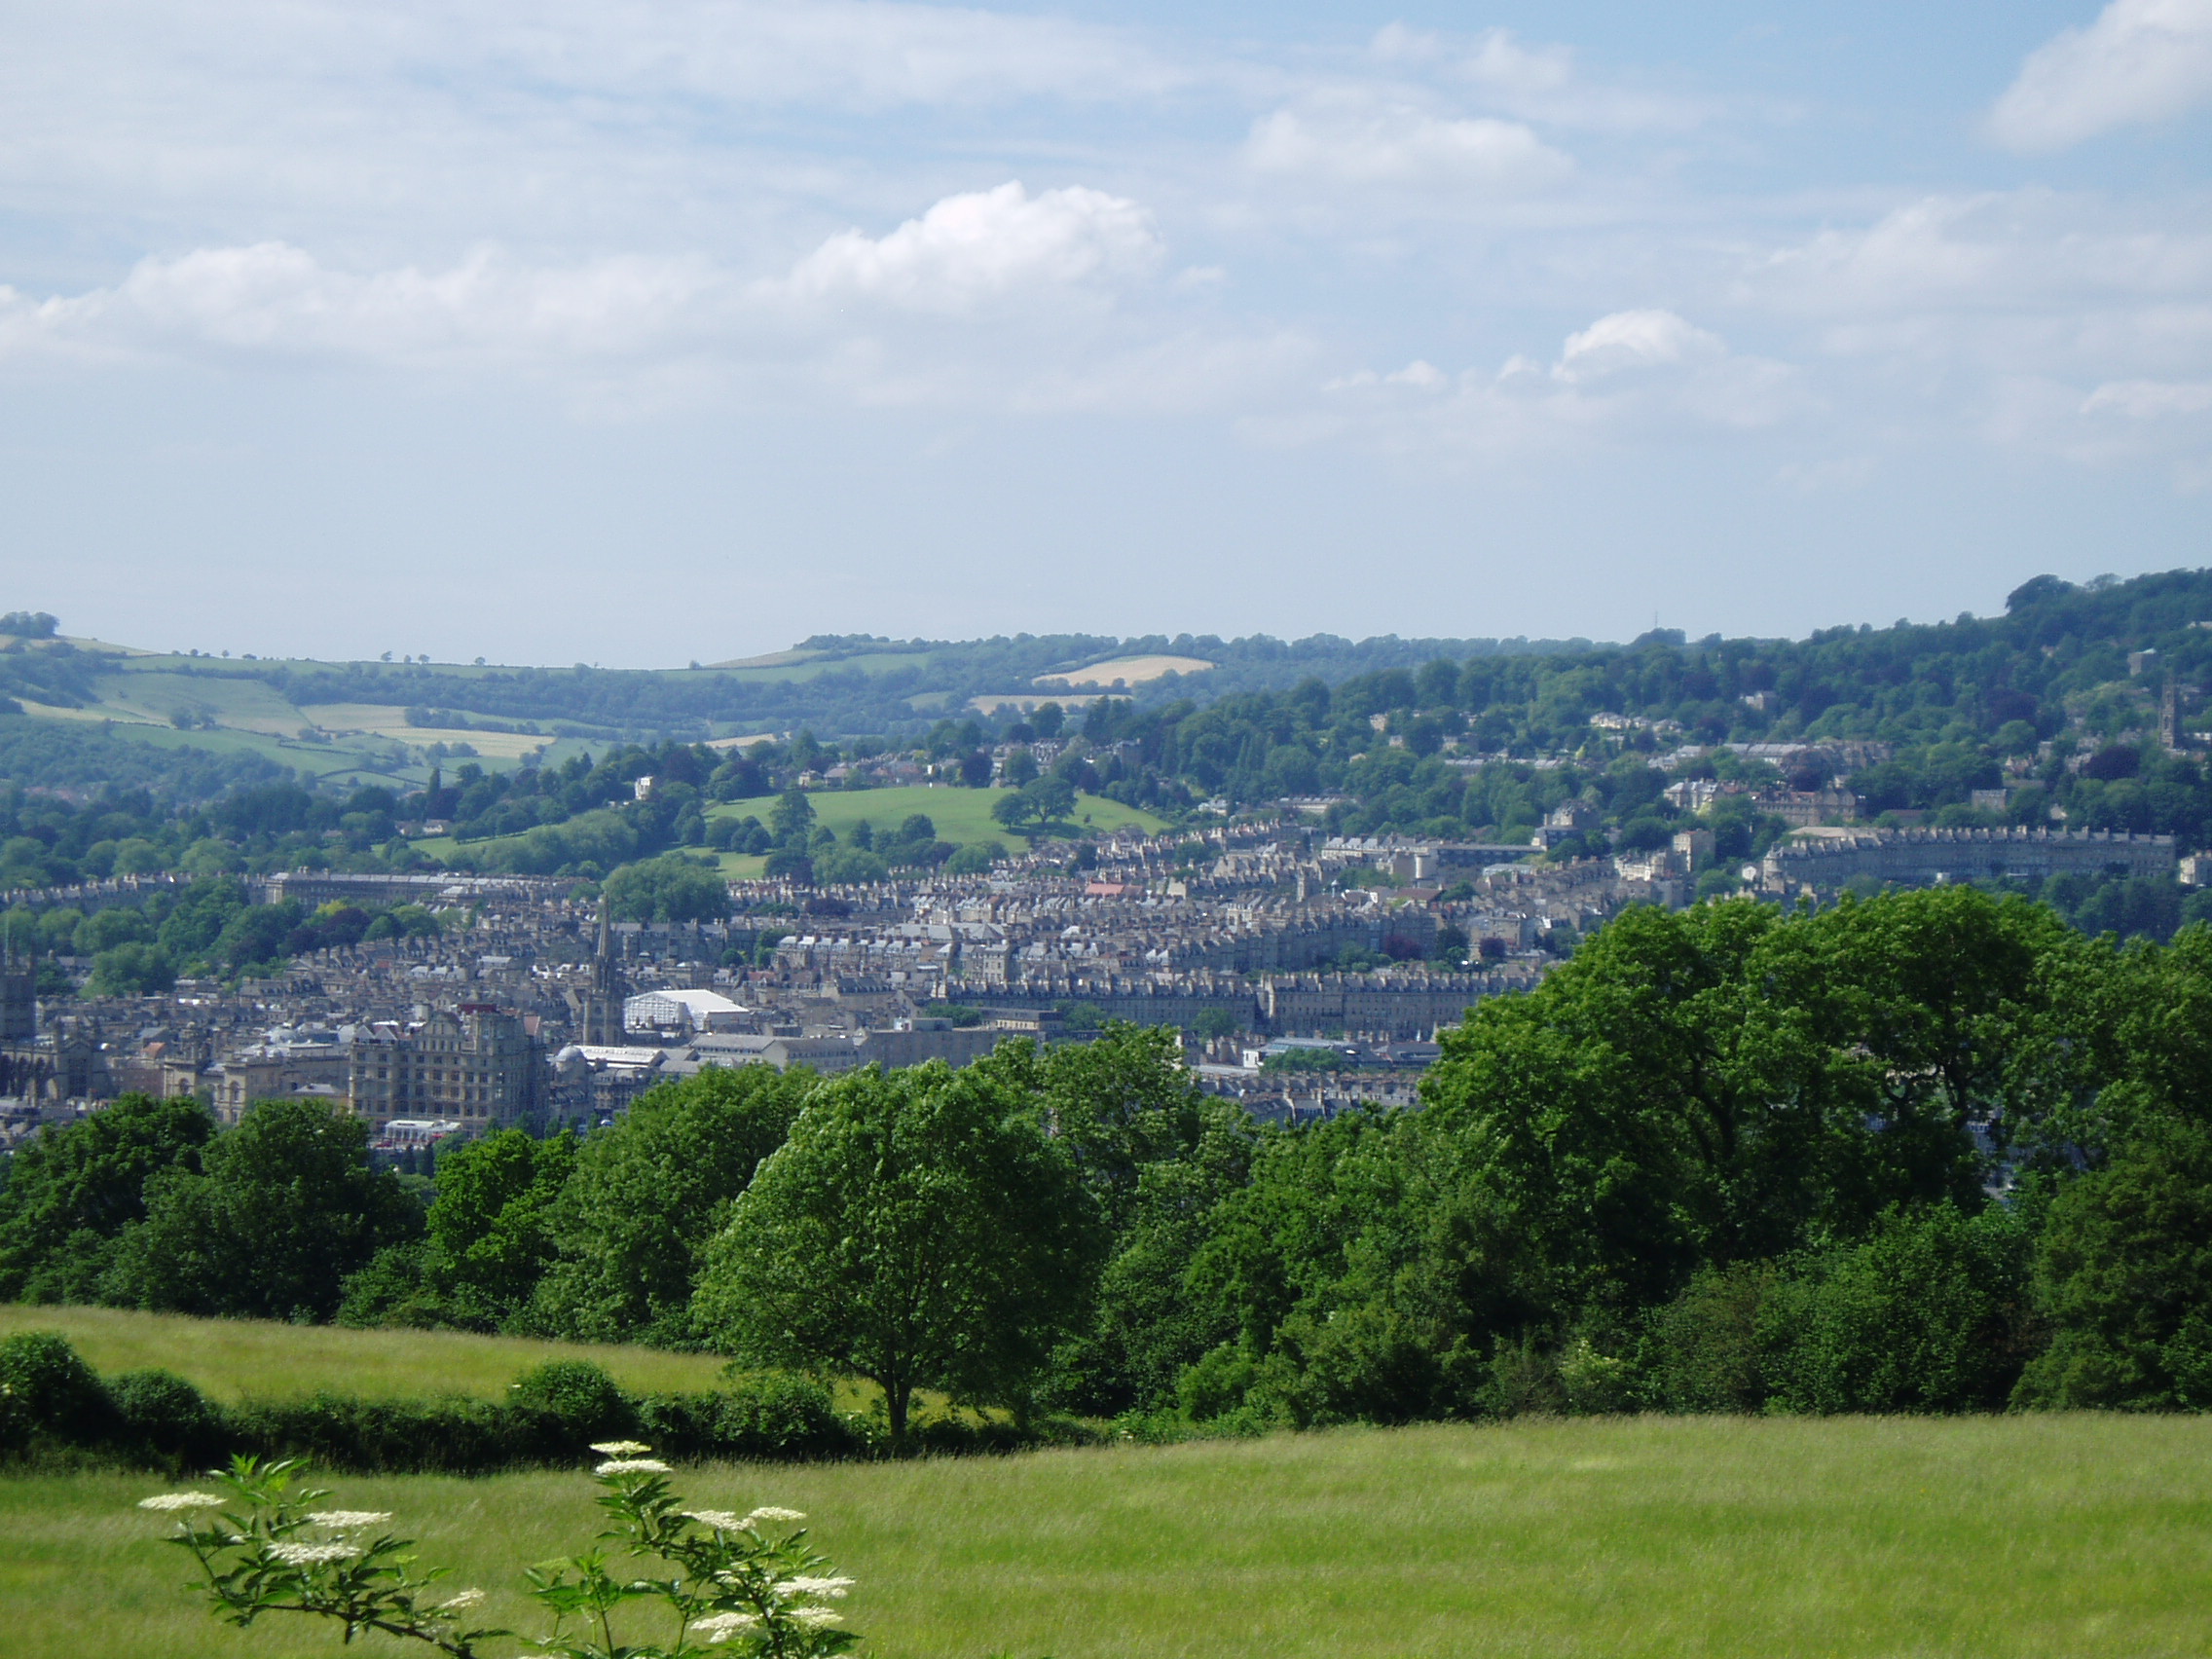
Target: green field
x=961 y=816
x=230 y=1359
x=1984 y=1538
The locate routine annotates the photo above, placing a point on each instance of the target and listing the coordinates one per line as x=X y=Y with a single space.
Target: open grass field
x=778 y=666
x=961 y=816
x=230 y=1359
x=380 y=720
x=1126 y=671
x=1636 y=1538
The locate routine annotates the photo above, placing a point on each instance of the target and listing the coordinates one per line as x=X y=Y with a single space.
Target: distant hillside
x=2089 y=660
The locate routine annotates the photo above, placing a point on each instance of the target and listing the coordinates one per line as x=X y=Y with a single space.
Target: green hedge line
x=55 y=1408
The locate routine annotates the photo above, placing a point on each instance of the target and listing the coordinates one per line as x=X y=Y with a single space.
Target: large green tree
x=2124 y=1272
x=72 y=1190
x=1726 y=1083
x=672 y=888
x=1156 y=1153
x=283 y=1208
x=487 y=1241
x=920 y=1229
x=647 y=1194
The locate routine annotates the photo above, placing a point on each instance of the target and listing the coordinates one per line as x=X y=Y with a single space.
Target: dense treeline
x=208 y=928
x=48 y=840
x=1930 y=1152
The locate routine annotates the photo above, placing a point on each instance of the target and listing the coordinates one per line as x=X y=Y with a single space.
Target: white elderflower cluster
x=831 y=1589
x=770 y=1513
x=182 y=1500
x=814 y=1618
x=720 y=1627
x=633 y=1466
x=346 y=1519
x=461 y=1603
x=311 y=1555
x=721 y=1519
x=620 y=1448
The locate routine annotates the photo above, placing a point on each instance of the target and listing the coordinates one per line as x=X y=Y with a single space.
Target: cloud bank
x=2141 y=61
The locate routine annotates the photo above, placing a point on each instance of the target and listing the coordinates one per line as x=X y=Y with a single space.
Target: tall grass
x=233 y=1360
x=1623 y=1538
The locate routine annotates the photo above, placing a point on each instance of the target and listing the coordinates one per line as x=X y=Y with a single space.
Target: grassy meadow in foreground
x=233 y=1359
x=2029 y=1535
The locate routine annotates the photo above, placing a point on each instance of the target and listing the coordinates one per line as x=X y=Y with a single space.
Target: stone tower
x=18 y=998
x=602 y=1005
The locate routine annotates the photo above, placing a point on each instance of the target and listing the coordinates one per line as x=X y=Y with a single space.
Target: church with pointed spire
x=600 y=1019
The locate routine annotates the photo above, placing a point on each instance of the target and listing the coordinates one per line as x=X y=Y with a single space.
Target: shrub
x=2124 y=1274
x=1929 y=1314
x=49 y=1394
x=453 y=1436
x=587 y=1403
x=1710 y=1349
x=778 y=1414
x=167 y=1419
x=1216 y=1384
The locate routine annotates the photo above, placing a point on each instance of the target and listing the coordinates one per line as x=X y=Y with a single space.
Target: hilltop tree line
x=1929 y=1152
x=2060 y=696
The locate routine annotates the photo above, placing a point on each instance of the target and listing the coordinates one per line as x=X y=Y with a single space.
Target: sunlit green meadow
x=2034 y=1535
x=236 y=1359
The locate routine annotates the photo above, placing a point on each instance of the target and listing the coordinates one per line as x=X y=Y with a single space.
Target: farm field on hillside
x=231 y=1360
x=961 y=816
x=1636 y=1538
x=1126 y=671
x=384 y=720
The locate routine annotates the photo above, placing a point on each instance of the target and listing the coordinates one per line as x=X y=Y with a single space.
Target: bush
x=1709 y=1351
x=49 y=1395
x=2124 y=1275
x=1929 y=1314
x=777 y=1414
x=166 y=1419
x=583 y=1399
x=768 y=1415
x=455 y=1436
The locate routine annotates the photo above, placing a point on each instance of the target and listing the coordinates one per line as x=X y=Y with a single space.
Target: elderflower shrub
x=746 y=1586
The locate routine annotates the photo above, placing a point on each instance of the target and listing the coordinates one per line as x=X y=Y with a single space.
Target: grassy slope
x=1615 y=1539
x=232 y=1358
x=961 y=816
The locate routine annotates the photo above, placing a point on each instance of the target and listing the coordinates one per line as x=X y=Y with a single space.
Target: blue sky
x=638 y=332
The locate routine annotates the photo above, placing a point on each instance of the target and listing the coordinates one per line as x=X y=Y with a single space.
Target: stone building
x=473 y=1064
x=1916 y=857
x=598 y=1012
x=19 y=1000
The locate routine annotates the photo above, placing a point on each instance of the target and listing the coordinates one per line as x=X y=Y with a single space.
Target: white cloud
x=2150 y=400
x=1538 y=83
x=2030 y=250
x=1351 y=137
x=1633 y=340
x=989 y=298
x=2141 y=60
x=986 y=245
x=1631 y=376
x=966 y=254
x=273 y=298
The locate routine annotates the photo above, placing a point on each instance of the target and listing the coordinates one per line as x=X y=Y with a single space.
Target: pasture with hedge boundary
x=57 y=1410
